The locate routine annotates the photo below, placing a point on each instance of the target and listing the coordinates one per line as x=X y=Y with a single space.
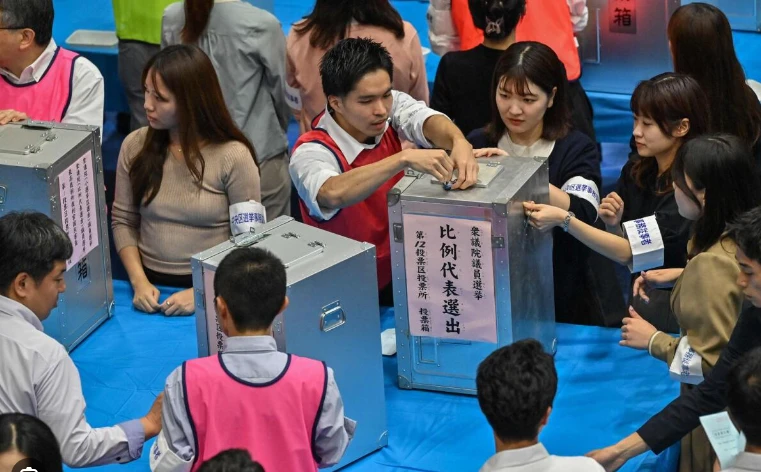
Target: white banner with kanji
x=450 y=278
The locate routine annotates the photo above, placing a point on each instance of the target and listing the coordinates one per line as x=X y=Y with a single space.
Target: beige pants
x=696 y=453
x=276 y=186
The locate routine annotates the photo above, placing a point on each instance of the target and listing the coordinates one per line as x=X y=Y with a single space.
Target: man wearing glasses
x=40 y=80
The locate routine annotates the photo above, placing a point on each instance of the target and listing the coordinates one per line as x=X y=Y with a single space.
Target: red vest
x=366 y=221
x=48 y=99
x=275 y=422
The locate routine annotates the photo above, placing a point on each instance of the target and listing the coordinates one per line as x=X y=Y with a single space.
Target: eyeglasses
x=12 y=27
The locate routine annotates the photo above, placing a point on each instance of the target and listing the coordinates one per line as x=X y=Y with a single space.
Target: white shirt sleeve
x=579 y=14
x=408 y=117
x=87 y=96
x=311 y=166
x=173 y=449
x=334 y=431
x=61 y=405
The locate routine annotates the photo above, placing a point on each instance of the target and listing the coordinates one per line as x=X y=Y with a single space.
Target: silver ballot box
x=57 y=170
x=333 y=315
x=469 y=274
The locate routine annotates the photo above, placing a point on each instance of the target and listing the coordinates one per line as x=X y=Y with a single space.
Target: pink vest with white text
x=275 y=421
x=48 y=99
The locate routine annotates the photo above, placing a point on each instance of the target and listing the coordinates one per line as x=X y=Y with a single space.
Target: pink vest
x=275 y=422
x=48 y=99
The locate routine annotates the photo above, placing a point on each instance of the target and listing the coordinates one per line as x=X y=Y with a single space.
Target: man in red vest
x=38 y=79
x=344 y=167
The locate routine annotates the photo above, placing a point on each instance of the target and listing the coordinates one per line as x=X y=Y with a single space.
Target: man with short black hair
x=285 y=409
x=744 y=405
x=40 y=80
x=683 y=414
x=353 y=156
x=516 y=386
x=38 y=376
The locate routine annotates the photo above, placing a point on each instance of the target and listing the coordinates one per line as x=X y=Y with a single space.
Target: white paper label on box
x=216 y=338
x=246 y=215
x=79 y=215
x=726 y=441
x=450 y=278
x=646 y=242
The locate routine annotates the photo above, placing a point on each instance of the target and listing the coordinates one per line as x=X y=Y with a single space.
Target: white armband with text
x=646 y=243
x=246 y=215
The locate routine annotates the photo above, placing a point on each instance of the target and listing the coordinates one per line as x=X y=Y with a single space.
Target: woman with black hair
x=669 y=110
x=531 y=118
x=714 y=183
x=26 y=438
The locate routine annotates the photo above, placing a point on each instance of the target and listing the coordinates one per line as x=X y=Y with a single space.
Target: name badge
x=646 y=242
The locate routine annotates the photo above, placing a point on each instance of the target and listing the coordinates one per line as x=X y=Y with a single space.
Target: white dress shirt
x=87 y=94
x=746 y=462
x=254 y=359
x=313 y=164
x=37 y=377
x=536 y=459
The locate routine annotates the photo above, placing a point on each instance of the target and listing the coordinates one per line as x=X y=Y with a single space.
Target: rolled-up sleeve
x=408 y=117
x=334 y=430
x=312 y=164
x=61 y=405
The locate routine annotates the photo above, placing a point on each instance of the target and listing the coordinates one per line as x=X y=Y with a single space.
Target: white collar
x=35 y=71
x=541 y=148
x=516 y=457
x=748 y=461
x=349 y=146
x=225 y=1
x=15 y=309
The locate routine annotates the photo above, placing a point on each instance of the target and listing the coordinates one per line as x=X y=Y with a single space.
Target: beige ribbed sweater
x=184 y=218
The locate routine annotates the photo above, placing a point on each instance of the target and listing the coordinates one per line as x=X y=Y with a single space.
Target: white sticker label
x=293 y=97
x=79 y=215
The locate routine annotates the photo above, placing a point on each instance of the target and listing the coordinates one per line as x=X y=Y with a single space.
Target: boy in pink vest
x=284 y=409
x=38 y=79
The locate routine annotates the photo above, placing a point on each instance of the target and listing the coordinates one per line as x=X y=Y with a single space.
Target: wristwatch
x=567 y=220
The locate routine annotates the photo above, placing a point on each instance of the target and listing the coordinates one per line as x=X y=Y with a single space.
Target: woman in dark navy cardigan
x=531 y=118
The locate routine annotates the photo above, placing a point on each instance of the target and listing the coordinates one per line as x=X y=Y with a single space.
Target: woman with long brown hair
x=247 y=47
x=700 y=39
x=333 y=20
x=176 y=178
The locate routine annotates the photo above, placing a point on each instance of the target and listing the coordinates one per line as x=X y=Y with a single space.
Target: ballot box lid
x=499 y=179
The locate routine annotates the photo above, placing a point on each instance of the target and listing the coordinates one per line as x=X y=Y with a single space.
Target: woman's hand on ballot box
x=636 y=332
x=611 y=210
x=654 y=279
x=11 y=116
x=488 y=152
x=544 y=217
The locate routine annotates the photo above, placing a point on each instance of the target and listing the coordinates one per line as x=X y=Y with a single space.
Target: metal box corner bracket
x=324 y=320
x=465 y=271
x=52 y=168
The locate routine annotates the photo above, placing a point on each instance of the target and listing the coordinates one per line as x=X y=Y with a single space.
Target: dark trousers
x=133 y=56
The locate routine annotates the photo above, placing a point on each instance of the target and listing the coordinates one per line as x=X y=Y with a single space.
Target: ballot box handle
x=332 y=317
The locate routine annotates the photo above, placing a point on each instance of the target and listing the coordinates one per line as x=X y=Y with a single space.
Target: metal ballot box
x=469 y=274
x=57 y=170
x=333 y=315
